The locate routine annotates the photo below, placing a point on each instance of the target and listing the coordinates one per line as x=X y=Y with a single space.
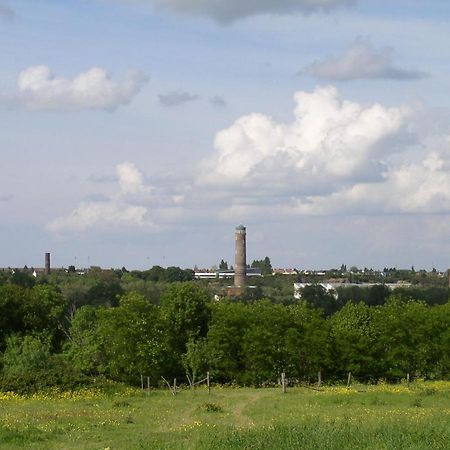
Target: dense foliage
x=66 y=328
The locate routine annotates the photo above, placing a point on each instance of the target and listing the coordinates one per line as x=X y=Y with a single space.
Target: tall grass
x=364 y=417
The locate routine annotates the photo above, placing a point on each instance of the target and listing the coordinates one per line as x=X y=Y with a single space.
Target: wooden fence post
x=172 y=390
x=407 y=379
x=208 y=383
x=349 y=379
x=142 y=382
x=148 y=385
x=283 y=382
x=319 y=379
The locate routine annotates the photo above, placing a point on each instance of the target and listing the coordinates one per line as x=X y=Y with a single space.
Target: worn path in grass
x=363 y=417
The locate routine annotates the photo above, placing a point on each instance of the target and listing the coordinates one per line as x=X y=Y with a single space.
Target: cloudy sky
x=141 y=132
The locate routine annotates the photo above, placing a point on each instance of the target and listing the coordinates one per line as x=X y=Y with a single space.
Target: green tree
x=104 y=293
x=84 y=346
x=23 y=279
x=132 y=339
x=262 y=354
x=317 y=296
x=404 y=331
x=149 y=289
x=175 y=274
x=306 y=342
x=45 y=310
x=29 y=366
x=354 y=336
x=228 y=323
x=12 y=297
x=156 y=273
x=378 y=295
x=122 y=342
x=439 y=341
x=196 y=359
x=26 y=354
x=264 y=265
x=263 y=347
x=185 y=311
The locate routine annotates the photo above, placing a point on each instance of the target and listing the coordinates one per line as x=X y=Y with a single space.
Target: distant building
x=222 y=274
x=332 y=286
x=284 y=272
x=205 y=275
x=327 y=286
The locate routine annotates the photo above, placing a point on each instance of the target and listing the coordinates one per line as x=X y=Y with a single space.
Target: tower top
x=240 y=228
x=47 y=264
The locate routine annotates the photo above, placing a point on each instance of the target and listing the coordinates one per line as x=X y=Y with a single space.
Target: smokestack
x=240 y=265
x=47 y=264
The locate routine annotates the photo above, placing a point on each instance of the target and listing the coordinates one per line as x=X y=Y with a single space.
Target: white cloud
x=422 y=188
x=336 y=157
x=131 y=180
x=134 y=203
x=330 y=142
x=176 y=98
x=115 y=211
x=100 y=215
x=226 y=11
x=39 y=89
x=362 y=60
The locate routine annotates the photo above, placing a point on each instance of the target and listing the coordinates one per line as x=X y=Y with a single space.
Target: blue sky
x=140 y=132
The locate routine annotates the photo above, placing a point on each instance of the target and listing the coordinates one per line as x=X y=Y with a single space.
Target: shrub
x=29 y=367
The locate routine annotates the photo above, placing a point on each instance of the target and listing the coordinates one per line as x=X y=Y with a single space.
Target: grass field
x=362 y=417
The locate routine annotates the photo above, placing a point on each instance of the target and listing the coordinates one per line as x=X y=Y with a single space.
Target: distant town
x=254 y=280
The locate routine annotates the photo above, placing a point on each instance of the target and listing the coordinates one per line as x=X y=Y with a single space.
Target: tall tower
x=240 y=262
x=47 y=264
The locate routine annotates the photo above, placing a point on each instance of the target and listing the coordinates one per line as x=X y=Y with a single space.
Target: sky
x=141 y=132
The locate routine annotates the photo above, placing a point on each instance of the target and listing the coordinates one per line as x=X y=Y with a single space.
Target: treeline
x=45 y=341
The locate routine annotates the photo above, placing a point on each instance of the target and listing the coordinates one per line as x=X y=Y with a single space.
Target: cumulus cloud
x=419 y=188
x=133 y=204
x=103 y=214
x=362 y=60
x=226 y=11
x=176 y=98
x=107 y=212
x=335 y=157
x=39 y=89
x=330 y=142
x=131 y=179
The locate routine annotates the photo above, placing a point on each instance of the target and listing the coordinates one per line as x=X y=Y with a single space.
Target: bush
x=29 y=367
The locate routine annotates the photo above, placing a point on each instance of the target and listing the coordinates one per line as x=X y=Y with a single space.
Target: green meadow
x=361 y=417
